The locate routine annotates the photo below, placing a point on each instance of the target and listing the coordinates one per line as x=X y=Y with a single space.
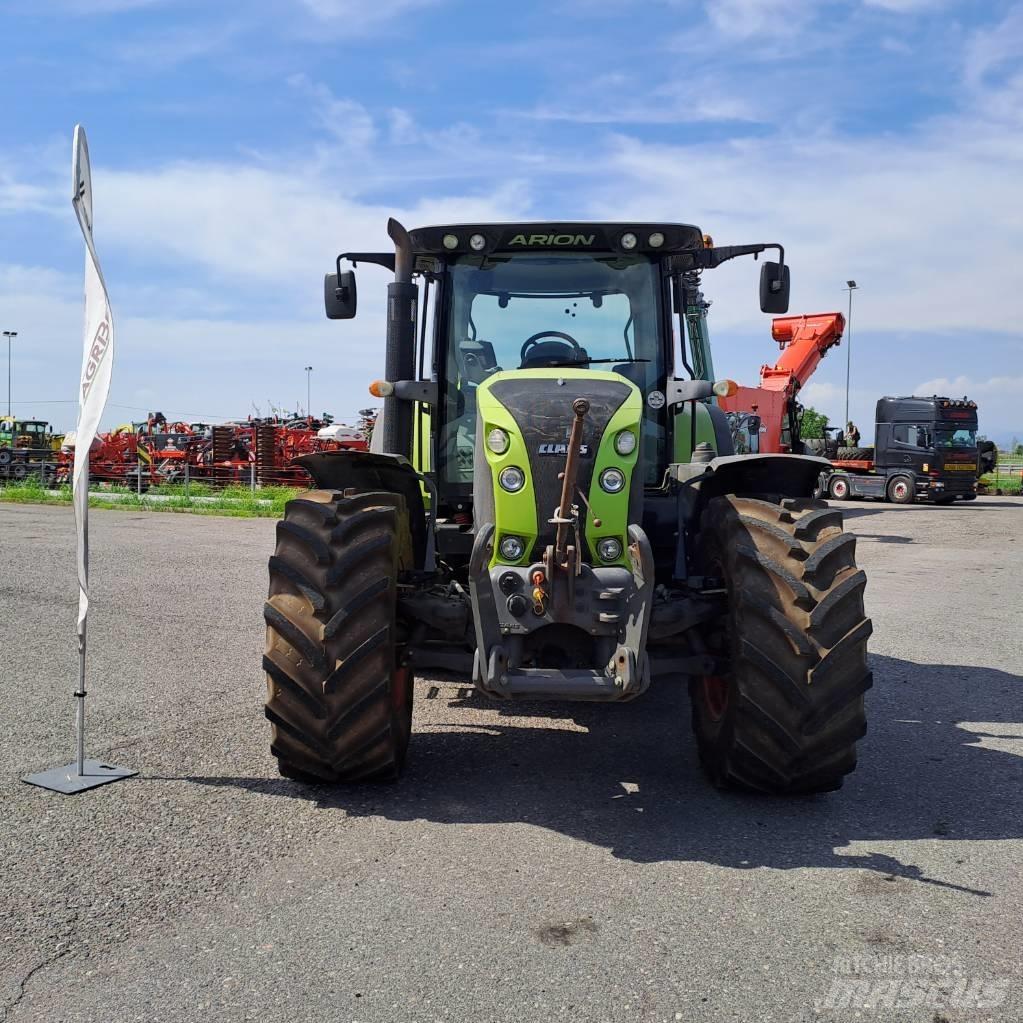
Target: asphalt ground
x=557 y=862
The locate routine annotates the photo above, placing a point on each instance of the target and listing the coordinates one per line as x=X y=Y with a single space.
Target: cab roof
x=556 y=236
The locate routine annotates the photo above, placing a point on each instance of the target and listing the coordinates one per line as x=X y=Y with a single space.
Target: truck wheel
x=339 y=695
x=900 y=490
x=838 y=488
x=787 y=710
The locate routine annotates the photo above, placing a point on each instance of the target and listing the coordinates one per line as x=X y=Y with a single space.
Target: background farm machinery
x=157 y=452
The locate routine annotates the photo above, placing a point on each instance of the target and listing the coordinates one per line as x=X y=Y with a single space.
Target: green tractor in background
x=551 y=507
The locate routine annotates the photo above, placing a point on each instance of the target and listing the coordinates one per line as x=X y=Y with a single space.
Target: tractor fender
x=367 y=471
x=787 y=475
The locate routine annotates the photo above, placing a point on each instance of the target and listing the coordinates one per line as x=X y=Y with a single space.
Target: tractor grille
x=542 y=410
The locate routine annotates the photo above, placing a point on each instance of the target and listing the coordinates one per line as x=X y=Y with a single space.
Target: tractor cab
x=578 y=311
x=26 y=435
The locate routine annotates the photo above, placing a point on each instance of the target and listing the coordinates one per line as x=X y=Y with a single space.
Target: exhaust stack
x=399 y=358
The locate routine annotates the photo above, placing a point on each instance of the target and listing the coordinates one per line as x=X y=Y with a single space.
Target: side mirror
x=774 y=288
x=339 y=295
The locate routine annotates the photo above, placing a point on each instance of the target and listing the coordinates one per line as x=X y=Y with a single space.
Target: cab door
x=910 y=447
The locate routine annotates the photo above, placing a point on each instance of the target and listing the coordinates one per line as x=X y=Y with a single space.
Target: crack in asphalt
x=23 y=983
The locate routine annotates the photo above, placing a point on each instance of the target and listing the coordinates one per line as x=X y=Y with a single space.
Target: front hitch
x=611 y=605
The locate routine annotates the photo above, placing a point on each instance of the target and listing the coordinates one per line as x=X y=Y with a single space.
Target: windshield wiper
x=587 y=362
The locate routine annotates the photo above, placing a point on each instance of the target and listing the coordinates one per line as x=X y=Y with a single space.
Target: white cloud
x=905 y=6
x=245 y=223
x=890 y=211
x=990 y=49
x=695 y=110
x=345 y=119
x=170 y=47
x=251 y=244
x=745 y=19
x=356 y=15
x=21 y=197
x=1002 y=388
x=998 y=398
x=90 y=7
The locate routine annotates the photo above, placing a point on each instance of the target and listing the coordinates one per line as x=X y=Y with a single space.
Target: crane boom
x=804 y=341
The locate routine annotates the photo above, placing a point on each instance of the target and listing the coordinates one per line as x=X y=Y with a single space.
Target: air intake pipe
x=399 y=358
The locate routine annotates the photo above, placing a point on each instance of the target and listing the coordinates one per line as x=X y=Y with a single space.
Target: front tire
x=900 y=490
x=786 y=713
x=838 y=488
x=339 y=693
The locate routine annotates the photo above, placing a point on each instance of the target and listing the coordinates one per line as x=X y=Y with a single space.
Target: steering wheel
x=530 y=342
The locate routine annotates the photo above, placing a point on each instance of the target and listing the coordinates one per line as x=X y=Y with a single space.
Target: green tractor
x=551 y=508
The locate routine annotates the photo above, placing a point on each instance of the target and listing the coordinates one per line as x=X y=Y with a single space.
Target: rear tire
x=855 y=454
x=900 y=490
x=339 y=693
x=786 y=715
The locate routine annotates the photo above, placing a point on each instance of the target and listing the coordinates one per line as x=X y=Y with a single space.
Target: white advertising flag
x=97 y=361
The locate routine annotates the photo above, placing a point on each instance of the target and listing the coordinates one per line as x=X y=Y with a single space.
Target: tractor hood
x=525 y=417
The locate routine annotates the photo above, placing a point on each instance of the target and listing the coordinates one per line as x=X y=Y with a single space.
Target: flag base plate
x=69 y=781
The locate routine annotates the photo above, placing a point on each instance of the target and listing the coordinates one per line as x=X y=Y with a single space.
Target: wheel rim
x=900 y=489
x=839 y=489
x=715 y=695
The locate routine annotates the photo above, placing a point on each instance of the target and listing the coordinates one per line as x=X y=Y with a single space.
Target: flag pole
x=80 y=709
x=97 y=362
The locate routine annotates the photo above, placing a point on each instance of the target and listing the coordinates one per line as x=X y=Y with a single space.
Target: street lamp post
x=10 y=335
x=850 y=286
x=308 y=388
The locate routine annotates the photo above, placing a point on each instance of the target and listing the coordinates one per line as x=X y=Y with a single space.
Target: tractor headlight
x=512 y=548
x=512 y=479
x=625 y=442
x=609 y=549
x=497 y=441
x=477 y=243
x=628 y=240
x=656 y=240
x=612 y=481
x=450 y=241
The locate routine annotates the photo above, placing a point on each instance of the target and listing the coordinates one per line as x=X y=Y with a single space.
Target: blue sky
x=238 y=146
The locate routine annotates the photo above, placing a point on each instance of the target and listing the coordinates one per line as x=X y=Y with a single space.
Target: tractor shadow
x=626 y=778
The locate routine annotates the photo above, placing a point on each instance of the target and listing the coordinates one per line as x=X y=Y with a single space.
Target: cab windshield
x=960 y=439
x=546 y=310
